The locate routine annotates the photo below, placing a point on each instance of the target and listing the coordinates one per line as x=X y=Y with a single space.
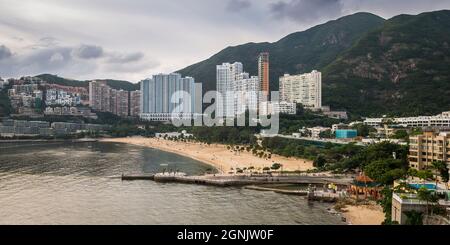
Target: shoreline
x=223 y=160
x=215 y=155
x=369 y=214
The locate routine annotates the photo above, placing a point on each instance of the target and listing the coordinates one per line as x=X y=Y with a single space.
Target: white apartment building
x=2 y=83
x=246 y=93
x=159 y=93
x=305 y=89
x=270 y=108
x=226 y=75
x=61 y=97
x=440 y=121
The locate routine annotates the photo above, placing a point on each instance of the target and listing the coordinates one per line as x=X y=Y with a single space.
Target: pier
x=137 y=177
x=245 y=180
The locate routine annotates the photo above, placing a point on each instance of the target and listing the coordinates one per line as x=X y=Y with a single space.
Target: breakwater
x=241 y=180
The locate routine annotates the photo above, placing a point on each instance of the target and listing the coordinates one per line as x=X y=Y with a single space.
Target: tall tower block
x=263 y=74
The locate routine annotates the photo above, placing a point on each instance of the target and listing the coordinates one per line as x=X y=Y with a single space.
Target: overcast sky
x=132 y=39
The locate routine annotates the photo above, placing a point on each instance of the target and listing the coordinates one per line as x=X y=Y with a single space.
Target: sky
x=133 y=39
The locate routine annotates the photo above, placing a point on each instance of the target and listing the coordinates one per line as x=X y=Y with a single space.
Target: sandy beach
x=216 y=155
x=363 y=214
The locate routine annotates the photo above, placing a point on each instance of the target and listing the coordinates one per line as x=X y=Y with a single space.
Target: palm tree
x=414 y=217
x=441 y=168
x=429 y=197
x=424 y=195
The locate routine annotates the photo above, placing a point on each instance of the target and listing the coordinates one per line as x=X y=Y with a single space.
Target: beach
x=363 y=214
x=216 y=155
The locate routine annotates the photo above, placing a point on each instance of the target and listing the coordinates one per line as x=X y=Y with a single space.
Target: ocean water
x=65 y=183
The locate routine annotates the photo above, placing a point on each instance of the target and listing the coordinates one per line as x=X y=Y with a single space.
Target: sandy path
x=216 y=155
x=364 y=215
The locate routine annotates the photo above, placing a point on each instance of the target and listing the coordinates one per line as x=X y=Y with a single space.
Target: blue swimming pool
x=428 y=186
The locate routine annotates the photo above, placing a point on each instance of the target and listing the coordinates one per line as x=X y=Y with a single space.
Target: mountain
x=370 y=66
x=115 y=84
x=296 y=53
x=402 y=68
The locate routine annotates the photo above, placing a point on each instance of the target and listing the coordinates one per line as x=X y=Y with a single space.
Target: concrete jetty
x=245 y=180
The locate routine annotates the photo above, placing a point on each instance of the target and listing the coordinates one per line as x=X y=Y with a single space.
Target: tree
x=413 y=217
x=427 y=196
x=327 y=135
x=276 y=166
x=401 y=134
x=320 y=161
x=385 y=171
x=363 y=130
x=442 y=169
x=386 y=204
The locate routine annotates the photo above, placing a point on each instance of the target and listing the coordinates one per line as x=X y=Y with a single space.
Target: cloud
x=175 y=33
x=125 y=58
x=238 y=5
x=88 y=52
x=46 y=56
x=5 y=52
x=306 y=10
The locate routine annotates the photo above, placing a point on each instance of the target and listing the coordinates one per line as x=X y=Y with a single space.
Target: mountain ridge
x=371 y=66
x=296 y=47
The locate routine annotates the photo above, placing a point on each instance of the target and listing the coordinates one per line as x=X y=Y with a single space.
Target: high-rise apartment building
x=263 y=74
x=100 y=96
x=427 y=148
x=226 y=75
x=135 y=102
x=246 y=94
x=105 y=99
x=119 y=102
x=305 y=89
x=167 y=96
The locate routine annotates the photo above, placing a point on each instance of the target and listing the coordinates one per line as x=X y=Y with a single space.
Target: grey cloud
x=238 y=5
x=45 y=60
x=71 y=61
x=125 y=58
x=131 y=68
x=5 y=52
x=306 y=10
x=88 y=52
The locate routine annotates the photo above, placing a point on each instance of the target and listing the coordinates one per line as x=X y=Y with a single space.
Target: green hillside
x=402 y=68
x=370 y=66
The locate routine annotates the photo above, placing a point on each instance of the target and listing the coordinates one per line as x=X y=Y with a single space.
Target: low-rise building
x=439 y=121
x=316 y=131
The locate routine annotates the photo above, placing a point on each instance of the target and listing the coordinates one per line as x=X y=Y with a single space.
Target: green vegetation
x=321 y=154
x=225 y=135
x=442 y=169
x=414 y=217
x=378 y=162
x=400 y=69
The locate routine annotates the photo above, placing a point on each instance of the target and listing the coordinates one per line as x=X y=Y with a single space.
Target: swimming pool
x=428 y=186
